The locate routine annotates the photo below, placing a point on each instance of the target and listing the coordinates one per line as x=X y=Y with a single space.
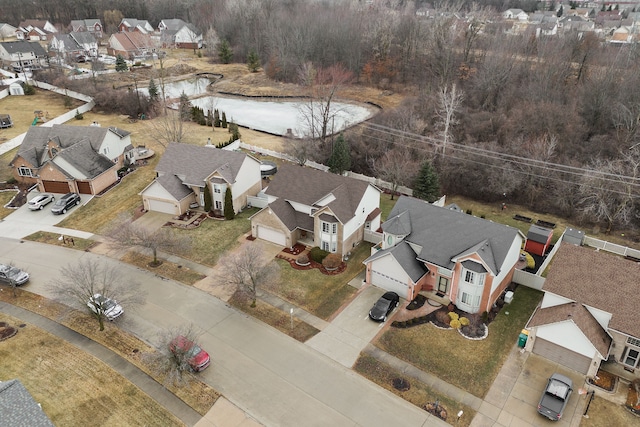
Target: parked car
x=100 y=304
x=40 y=201
x=10 y=274
x=197 y=358
x=385 y=305
x=555 y=397
x=65 y=203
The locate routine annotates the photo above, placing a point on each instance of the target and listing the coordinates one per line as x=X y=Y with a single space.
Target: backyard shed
x=573 y=236
x=538 y=240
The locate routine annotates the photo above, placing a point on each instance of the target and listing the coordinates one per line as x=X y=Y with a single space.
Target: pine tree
x=185 y=107
x=253 y=61
x=121 y=64
x=225 y=53
x=340 y=160
x=426 y=185
x=216 y=118
x=229 y=213
x=224 y=120
x=153 y=91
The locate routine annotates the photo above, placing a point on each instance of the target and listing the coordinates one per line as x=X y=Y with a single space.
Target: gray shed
x=573 y=236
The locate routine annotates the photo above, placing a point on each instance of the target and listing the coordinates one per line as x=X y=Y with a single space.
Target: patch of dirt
x=436 y=409
x=6 y=331
x=21 y=198
x=604 y=380
x=401 y=384
x=313 y=264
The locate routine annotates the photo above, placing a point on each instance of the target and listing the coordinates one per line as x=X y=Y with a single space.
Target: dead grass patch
x=418 y=393
x=53 y=239
x=275 y=317
x=5 y=198
x=603 y=413
x=167 y=269
x=196 y=394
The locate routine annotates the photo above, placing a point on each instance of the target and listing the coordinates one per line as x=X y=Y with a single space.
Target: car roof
x=390 y=295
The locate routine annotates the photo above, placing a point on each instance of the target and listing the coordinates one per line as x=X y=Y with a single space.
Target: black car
x=65 y=202
x=385 y=305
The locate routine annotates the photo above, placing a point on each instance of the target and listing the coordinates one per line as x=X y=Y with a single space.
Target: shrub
x=78 y=116
x=451 y=307
x=453 y=315
x=531 y=263
x=332 y=261
x=455 y=323
x=485 y=317
x=442 y=317
x=464 y=321
x=317 y=254
x=302 y=259
x=29 y=90
x=469 y=212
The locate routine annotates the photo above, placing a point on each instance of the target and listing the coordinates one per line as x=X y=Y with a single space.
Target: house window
x=329 y=228
x=216 y=188
x=334 y=228
x=631 y=357
x=471 y=300
x=218 y=204
x=24 y=171
x=367 y=225
x=633 y=341
x=468 y=276
x=105 y=151
x=325 y=246
x=443 y=284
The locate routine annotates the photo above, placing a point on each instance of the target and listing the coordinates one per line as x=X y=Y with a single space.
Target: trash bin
x=522 y=338
x=508 y=297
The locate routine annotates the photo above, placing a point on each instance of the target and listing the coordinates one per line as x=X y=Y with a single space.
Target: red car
x=197 y=358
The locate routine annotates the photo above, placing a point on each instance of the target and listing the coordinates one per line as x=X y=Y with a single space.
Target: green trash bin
x=522 y=339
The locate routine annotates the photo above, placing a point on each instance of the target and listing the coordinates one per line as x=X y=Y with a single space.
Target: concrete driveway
x=510 y=403
x=24 y=222
x=351 y=330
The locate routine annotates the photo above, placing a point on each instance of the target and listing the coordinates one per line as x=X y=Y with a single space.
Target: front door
x=443 y=284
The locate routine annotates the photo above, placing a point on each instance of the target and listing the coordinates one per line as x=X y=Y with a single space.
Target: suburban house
x=21 y=54
x=589 y=312
x=69 y=46
x=518 y=14
x=444 y=254
x=93 y=26
x=35 y=30
x=19 y=408
x=130 y=25
x=7 y=31
x=63 y=158
x=185 y=171
x=317 y=208
x=129 y=45
x=175 y=33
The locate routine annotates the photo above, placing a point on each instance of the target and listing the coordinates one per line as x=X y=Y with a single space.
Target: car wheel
x=41 y=207
x=384 y=319
x=64 y=211
x=77 y=202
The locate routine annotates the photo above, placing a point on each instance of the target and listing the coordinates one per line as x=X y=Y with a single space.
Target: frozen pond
x=274 y=117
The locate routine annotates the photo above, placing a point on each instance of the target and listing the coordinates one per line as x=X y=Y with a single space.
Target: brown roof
x=134 y=41
x=578 y=314
x=600 y=280
x=309 y=186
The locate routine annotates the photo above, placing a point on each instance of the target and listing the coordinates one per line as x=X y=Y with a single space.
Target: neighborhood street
x=272 y=377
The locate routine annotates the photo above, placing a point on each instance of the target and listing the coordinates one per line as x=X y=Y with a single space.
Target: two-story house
x=22 y=55
x=93 y=26
x=128 y=25
x=35 y=30
x=175 y=33
x=445 y=254
x=317 y=209
x=69 y=46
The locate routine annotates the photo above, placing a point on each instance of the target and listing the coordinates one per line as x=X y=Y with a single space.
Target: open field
x=73 y=387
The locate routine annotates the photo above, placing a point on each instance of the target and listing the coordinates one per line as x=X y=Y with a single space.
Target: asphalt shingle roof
x=597 y=279
x=406 y=257
x=84 y=158
x=17 y=407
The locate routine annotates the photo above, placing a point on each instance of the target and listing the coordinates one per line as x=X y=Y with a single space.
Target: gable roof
x=445 y=234
x=581 y=317
x=85 y=159
x=17 y=407
x=309 y=186
x=133 y=41
x=406 y=257
x=24 y=46
x=194 y=163
x=600 y=280
x=174 y=186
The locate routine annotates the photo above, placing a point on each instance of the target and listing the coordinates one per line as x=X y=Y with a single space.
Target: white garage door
x=561 y=355
x=271 y=235
x=389 y=283
x=162 y=206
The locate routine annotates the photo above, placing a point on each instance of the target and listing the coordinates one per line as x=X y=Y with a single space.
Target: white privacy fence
x=611 y=247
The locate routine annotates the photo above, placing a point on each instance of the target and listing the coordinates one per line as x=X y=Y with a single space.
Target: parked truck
x=555 y=397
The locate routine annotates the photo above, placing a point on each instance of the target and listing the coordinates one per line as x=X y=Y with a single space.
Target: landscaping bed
x=604 y=380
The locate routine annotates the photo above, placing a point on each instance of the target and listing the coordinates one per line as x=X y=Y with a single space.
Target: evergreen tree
x=225 y=53
x=426 y=185
x=209 y=118
x=153 y=91
x=208 y=202
x=253 y=61
x=229 y=213
x=121 y=64
x=340 y=160
x=560 y=11
x=234 y=131
x=185 y=107
x=216 y=118
x=224 y=120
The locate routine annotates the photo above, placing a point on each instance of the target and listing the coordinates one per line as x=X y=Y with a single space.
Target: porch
x=434 y=298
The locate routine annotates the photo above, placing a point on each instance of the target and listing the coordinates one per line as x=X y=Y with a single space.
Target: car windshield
x=13 y=272
x=108 y=304
x=61 y=202
x=193 y=351
x=37 y=200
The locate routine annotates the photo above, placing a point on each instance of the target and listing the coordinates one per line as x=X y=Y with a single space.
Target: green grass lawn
x=386 y=204
x=470 y=365
x=319 y=293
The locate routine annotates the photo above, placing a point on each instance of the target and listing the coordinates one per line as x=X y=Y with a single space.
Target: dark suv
x=65 y=202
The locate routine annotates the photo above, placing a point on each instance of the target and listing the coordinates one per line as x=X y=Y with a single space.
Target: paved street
x=272 y=377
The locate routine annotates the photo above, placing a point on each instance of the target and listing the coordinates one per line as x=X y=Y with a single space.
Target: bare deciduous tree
x=397 y=166
x=248 y=270
x=126 y=234
x=299 y=150
x=167 y=128
x=79 y=282
x=450 y=101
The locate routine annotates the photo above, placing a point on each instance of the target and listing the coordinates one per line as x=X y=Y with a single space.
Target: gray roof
x=406 y=257
x=83 y=37
x=83 y=157
x=17 y=407
x=24 y=47
x=174 y=186
x=194 y=163
x=309 y=186
x=539 y=234
x=33 y=147
x=444 y=234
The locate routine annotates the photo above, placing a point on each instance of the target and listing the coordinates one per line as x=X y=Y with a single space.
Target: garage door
x=561 y=355
x=84 y=187
x=56 y=187
x=162 y=206
x=271 y=235
x=389 y=283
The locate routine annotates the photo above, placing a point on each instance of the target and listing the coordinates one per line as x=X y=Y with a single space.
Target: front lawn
x=167 y=269
x=470 y=365
x=54 y=239
x=319 y=293
x=603 y=413
x=5 y=197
